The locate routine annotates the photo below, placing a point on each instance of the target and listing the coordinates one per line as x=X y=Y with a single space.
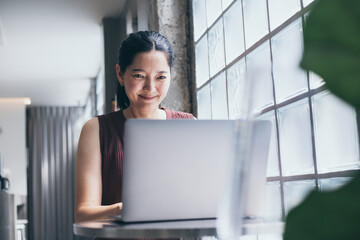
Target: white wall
x=13 y=142
x=142 y=14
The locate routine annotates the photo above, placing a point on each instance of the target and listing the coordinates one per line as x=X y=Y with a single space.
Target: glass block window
x=269 y=237
x=289 y=79
x=204 y=102
x=235 y=78
x=280 y=11
x=272 y=209
x=219 y=100
x=295 y=138
x=259 y=66
x=315 y=138
x=234 y=32
x=315 y=81
x=307 y=2
x=336 y=148
x=225 y=3
x=213 y=10
x=216 y=48
x=248 y=237
x=295 y=191
x=199 y=8
x=330 y=184
x=273 y=161
x=255 y=21
x=202 y=61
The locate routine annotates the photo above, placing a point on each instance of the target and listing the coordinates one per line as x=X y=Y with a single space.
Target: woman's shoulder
x=110 y=115
x=110 y=123
x=90 y=128
x=171 y=114
x=91 y=124
x=112 y=118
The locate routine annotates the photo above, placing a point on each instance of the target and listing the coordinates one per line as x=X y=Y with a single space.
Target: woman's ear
x=119 y=75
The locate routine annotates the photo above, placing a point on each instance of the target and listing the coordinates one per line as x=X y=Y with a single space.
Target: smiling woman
x=145 y=60
x=143 y=71
x=146 y=82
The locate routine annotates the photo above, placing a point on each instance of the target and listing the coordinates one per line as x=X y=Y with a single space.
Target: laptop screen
x=176 y=169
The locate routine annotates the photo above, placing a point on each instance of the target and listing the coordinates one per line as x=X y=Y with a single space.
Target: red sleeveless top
x=111 y=131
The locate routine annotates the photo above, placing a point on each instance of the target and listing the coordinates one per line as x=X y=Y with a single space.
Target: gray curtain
x=53 y=134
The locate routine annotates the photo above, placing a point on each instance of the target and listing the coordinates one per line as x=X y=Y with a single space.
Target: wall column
x=114 y=33
x=171 y=19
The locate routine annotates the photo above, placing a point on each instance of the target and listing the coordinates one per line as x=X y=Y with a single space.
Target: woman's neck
x=135 y=113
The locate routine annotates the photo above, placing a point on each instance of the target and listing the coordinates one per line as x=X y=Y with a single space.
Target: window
x=314 y=143
x=100 y=93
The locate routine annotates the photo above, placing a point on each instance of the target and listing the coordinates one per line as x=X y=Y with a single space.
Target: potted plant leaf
x=331 y=50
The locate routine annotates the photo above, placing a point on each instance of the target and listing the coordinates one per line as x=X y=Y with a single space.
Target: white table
x=193 y=229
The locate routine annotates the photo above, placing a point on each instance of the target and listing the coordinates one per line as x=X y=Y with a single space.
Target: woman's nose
x=149 y=84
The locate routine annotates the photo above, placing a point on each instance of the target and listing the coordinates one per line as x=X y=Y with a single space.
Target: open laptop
x=176 y=169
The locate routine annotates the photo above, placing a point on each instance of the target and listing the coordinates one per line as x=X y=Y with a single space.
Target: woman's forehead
x=154 y=59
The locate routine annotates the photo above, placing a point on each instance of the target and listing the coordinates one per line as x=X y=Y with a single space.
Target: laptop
x=176 y=169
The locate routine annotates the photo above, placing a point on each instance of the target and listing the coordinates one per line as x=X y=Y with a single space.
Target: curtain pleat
x=53 y=137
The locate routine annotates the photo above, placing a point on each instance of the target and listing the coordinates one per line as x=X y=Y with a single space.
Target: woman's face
x=146 y=80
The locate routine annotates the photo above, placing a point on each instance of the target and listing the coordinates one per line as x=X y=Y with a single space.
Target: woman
x=143 y=71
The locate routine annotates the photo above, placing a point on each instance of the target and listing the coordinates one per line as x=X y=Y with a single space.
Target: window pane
x=236 y=78
x=280 y=11
x=270 y=237
x=100 y=92
x=273 y=160
x=307 y=2
x=204 y=103
x=295 y=139
x=315 y=80
x=213 y=11
x=216 y=48
x=272 y=208
x=289 y=79
x=226 y=3
x=218 y=97
x=199 y=14
x=295 y=192
x=248 y=237
x=306 y=15
x=202 y=62
x=234 y=32
x=259 y=68
x=336 y=137
x=333 y=183
x=256 y=21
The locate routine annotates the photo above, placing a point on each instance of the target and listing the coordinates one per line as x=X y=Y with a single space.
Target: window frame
x=301 y=14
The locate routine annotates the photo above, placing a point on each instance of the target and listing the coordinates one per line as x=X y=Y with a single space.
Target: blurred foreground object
x=327 y=215
x=332 y=46
x=331 y=50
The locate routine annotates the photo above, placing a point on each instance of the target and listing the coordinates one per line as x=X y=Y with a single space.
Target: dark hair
x=142 y=41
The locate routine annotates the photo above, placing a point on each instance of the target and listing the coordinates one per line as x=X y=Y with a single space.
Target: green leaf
x=332 y=47
x=327 y=215
x=331 y=50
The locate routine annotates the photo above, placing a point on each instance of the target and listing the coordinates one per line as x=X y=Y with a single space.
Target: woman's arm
x=88 y=177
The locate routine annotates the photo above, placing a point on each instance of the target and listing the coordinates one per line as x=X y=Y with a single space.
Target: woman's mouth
x=148 y=98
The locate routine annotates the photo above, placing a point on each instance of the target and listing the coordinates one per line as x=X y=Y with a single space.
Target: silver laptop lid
x=175 y=169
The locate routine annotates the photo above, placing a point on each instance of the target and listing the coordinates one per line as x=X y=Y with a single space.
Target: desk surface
x=171 y=229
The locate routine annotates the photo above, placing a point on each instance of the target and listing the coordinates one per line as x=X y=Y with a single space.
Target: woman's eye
x=137 y=76
x=161 y=77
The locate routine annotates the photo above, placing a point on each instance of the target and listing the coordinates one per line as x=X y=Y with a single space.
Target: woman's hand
x=90 y=213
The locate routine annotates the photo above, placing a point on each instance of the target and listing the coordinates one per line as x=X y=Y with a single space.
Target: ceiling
x=50 y=49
